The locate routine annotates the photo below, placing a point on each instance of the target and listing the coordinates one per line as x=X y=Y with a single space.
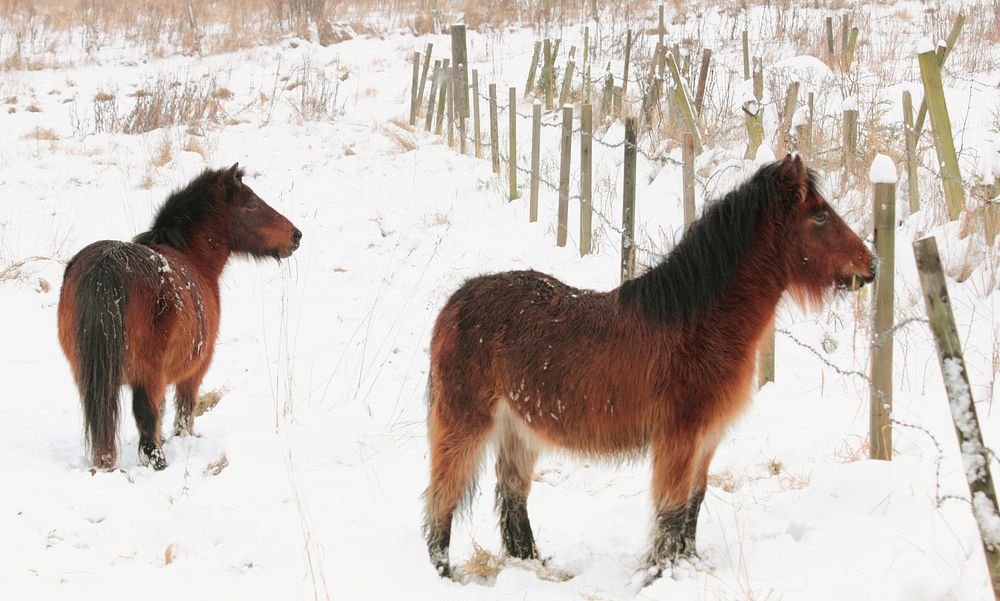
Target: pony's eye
x=821 y=218
x=252 y=206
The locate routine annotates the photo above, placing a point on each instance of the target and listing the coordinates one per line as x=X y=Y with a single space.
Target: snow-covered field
x=322 y=362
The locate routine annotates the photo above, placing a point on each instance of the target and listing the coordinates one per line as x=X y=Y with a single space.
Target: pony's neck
x=208 y=250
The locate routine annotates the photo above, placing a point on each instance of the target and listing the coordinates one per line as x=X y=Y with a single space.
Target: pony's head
x=823 y=251
x=255 y=228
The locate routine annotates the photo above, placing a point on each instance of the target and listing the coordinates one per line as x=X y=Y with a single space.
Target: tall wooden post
x=413 y=88
x=753 y=110
x=460 y=74
x=791 y=101
x=423 y=74
x=682 y=104
x=476 y=136
x=852 y=42
x=567 y=81
x=884 y=212
x=628 y=202
x=586 y=194
x=532 y=69
x=699 y=97
x=660 y=30
x=512 y=160
x=687 y=153
x=628 y=58
x=494 y=135
x=435 y=81
x=746 y=55
x=564 y=158
x=536 y=141
x=442 y=95
x=910 y=139
x=850 y=138
x=829 y=40
x=956 y=382
x=956 y=29
x=944 y=144
x=546 y=76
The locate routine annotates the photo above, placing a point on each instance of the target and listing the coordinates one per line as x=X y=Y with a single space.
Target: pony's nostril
x=296 y=236
x=873 y=265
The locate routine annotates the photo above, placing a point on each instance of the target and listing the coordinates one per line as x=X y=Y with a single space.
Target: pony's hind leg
x=456 y=448
x=516 y=457
x=185 y=399
x=147 y=407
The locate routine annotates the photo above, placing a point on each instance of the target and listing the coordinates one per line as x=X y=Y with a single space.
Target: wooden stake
x=944 y=144
x=956 y=29
x=682 y=104
x=628 y=56
x=494 y=136
x=413 y=88
x=460 y=73
x=512 y=147
x=852 y=42
x=423 y=74
x=963 y=410
x=628 y=202
x=586 y=195
x=567 y=80
x=699 y=97
x=829 y=40
x=687 y=153
x=791 y=100
x=746 y=55
x=564 y=158
x=435 y=81
x=660 y=30
x=442 y=95
x=880 y=428
x=528 y=87
x=477 y=137
x=910 y=140
x=450 y=98
x=850 y=138
x=765 y=356
x=536 y=136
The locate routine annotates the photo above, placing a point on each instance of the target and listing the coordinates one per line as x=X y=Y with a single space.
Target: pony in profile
x=661 y=365
x=146 y=313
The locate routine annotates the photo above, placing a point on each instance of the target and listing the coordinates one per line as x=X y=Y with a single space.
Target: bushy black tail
x=100 y=339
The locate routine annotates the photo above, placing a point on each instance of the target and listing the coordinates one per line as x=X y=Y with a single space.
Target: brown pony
x=146 y=313
x=662 y=364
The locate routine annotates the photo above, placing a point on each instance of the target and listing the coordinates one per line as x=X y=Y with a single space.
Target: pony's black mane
x=184 y=210
x=692 y=277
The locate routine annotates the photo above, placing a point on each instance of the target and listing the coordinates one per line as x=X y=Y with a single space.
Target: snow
x=305 y=481
x=764 y=155
x=850 y=104
x=800 y=117
x=882 y=171
x=925 y=45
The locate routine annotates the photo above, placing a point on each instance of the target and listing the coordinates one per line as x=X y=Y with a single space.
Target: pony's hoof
x=184 y=432
x=443 y=570
x=152 y=456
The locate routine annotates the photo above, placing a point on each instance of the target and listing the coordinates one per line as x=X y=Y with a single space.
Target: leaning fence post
x=956 y=381
x=512 y=159
x=476 y=136
x=435 y=81
x=944 y=144
x=956 y=29
x=564 y=158
x=532 y=69
x=628 y=203
x=683 y=105
x=494 y=136
x=699 y=97
x=442 y=95
x=423 y=75
x=586 y=196
x=567 y=80
x=413 y=88
x=852 y=42
x=536 y=141
x=883 y=176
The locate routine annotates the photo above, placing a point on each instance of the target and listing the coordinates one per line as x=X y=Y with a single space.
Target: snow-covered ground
x=322 y=362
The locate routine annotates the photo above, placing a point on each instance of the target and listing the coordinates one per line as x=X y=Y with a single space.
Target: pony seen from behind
x=146 y=313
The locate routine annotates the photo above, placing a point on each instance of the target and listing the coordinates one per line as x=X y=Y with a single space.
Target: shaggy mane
x=184 y=210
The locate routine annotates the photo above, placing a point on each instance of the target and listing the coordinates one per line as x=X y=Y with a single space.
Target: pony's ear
x=793 y=177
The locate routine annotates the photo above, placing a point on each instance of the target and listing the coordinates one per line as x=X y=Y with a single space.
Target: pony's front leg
x=674 y=468
x=185 y=399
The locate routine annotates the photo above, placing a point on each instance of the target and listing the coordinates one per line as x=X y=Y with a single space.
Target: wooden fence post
x=477 y=139
x=536 y=141
x=628 y=56
x=699 y=97
x=754 y=111
x=687 y=153
x=494 y=136
x=660 y=30
x=956 y=29
x=845 y=33
x=423 y=75
x=746 y=55
x=628 y=202
x=586 y=195
x=546 y=75
x=528 y=87
x=956 y=380
x=567 y=80
x=442 y=95
x=682 y=104
x=850 y=136
x=564 y=158
x=944 y=144
x=450 y=99
x=829 y=40
x=883 y=177
x=413 y=88
x=791 y=100
x=512 y=160
x=435 y=81
x=852 y=42
x=910 y=139
x=460 y=73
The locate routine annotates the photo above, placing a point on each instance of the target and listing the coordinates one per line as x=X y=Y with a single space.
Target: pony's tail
x=100 y=340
